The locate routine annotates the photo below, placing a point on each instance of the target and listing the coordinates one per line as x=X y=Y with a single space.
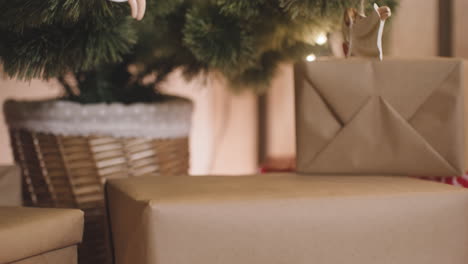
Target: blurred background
x=241 y=133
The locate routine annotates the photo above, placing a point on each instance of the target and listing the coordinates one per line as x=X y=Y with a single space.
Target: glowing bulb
x=311 y=57
x=321 y=39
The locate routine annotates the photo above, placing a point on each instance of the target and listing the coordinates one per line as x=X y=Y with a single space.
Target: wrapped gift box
x=391 y=117
x=10 y=186
x=286 y=218
x=39 y=236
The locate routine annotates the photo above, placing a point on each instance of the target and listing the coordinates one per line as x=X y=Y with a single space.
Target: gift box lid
x=26 y=232
x=192 y=189
x=287 y=218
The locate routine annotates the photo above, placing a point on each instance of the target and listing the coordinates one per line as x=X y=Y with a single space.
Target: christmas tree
x=100 y=54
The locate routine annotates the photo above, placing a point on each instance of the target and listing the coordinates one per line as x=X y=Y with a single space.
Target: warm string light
x=311 y=57
x=320 y=39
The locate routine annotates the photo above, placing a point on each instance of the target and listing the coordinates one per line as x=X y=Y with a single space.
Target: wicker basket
x=61 y=167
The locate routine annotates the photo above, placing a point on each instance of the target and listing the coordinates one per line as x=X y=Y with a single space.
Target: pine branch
x=53 y=50
x=245 y=40
x=220 y=41
x=21 y=14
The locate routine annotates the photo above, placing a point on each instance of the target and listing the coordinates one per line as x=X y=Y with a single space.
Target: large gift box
x=39 y=235
x=392 y=117
x=286 y=218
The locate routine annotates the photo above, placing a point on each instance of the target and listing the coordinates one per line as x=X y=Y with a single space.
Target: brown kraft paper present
x=287 y=219
x=39 y=235
x=393 y=117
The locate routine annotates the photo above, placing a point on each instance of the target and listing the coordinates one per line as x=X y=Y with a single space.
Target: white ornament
x=138 y=7
x=363 y=34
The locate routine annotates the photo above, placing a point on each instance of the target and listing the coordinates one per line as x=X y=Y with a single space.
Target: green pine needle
x=111 y=56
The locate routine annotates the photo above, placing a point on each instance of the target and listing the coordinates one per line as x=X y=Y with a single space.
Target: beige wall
x=224 y=129
x=414 y=29
x=460 y=31
x=280 y=124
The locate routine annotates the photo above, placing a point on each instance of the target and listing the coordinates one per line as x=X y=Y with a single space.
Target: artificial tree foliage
x=99 y=54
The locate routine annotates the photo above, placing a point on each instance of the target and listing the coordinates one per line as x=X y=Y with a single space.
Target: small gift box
x=39 y=235
x=392 y=117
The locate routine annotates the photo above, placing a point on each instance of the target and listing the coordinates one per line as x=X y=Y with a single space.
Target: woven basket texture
x=70 y=171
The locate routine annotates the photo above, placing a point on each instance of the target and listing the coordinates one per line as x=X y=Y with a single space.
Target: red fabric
x=288 y=165
x=278 y=165
x=456 y=181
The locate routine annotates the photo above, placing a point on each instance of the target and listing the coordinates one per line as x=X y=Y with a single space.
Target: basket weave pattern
x=69 y=171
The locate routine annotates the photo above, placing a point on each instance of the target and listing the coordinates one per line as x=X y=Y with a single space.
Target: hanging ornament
x=363 y=34
x=137 y=7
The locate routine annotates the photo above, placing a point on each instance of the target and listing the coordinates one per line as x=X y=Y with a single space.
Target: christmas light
x=311 y=57
x=321 y=39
